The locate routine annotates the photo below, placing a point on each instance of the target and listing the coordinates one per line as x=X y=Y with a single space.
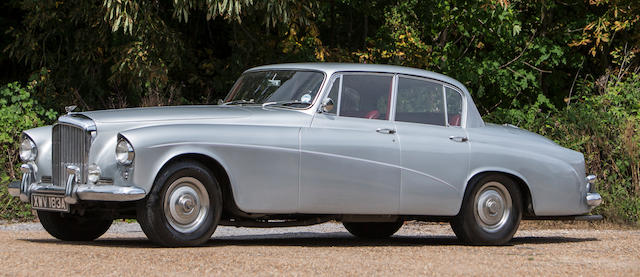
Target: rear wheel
x=73 y=227
x=490 y=213
x=184 y=206
x=373 y=230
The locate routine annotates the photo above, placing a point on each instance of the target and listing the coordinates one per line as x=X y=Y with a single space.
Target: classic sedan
x=371 y=146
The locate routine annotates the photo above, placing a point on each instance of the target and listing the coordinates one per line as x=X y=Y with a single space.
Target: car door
x=350 y=155
x=434 y=147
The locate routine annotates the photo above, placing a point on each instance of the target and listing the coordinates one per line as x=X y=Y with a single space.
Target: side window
x=454 y=107
x=365 y=96
x=420 y=101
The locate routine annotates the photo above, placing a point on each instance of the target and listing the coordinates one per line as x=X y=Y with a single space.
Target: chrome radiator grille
x=70 y=147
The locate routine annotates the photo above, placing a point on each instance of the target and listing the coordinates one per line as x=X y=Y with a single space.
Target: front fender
x=263 y=171
x=42 y=138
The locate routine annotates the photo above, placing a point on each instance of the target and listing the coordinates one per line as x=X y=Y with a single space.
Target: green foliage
x=498 y=52
x=606 y=129
x=18 y=112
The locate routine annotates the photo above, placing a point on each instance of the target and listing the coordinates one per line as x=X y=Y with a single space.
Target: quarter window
x=420 y=101
x=454 y=107
x=333 y=94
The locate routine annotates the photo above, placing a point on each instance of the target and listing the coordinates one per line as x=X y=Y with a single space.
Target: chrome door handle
x=385 y=131
x=458 y=139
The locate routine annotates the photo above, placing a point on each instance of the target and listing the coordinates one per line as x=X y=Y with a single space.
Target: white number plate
x=49 y=202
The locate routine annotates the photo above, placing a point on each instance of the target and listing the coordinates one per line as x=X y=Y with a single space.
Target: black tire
x=373 y=230
x=72 y=227
x=499 y=218
x=162 y=225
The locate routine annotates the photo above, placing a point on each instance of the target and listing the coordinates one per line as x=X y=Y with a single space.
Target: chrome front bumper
x=72 y=191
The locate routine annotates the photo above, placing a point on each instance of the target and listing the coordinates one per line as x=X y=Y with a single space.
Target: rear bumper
x=72 y=191
x=593 y=199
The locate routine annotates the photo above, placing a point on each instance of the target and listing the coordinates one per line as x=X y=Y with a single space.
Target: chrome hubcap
x=186 y=204
x=492 y=206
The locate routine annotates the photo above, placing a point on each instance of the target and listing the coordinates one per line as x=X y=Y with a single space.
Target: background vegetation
x=568 y=69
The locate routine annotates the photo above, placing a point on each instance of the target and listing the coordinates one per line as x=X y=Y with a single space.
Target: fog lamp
x=93 y=173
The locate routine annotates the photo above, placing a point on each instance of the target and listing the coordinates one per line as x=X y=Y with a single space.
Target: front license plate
x=49 y=202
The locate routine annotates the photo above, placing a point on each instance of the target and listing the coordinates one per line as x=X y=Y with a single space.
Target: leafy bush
x=18 y=112
x=605 y=127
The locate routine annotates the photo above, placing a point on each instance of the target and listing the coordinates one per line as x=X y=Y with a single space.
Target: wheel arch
x=218 y=170
x=527 y=199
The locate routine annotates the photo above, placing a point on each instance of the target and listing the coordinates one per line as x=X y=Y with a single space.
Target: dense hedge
x=605 y=128
x=18 y=112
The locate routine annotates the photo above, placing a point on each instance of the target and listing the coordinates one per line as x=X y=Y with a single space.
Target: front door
x=350 y=155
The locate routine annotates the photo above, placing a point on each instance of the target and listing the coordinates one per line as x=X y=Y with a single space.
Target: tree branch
x=526 y=47
x=538 y=69
x=572 y=84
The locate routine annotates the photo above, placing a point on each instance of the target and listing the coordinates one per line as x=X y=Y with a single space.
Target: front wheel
x=183 y=207
x=373 y=230
x=73 y=227
x=490 y=213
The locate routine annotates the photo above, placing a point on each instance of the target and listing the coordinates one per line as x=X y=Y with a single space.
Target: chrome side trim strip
x=307 y=152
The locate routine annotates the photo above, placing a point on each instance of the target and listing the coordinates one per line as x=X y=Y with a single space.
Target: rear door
x=434 y=147
x=350 y=155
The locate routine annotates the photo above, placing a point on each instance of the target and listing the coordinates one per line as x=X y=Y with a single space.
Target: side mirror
x=220 y=102
x=327 y=105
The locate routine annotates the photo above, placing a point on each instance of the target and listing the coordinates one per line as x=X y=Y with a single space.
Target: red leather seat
x=372 y=114
x=454 y=120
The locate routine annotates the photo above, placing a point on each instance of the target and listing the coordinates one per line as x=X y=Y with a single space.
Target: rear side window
x=363 y=95
x=420 y=101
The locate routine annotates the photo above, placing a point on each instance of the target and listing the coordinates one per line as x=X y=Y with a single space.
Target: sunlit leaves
x=121 y=14
x=619 y=16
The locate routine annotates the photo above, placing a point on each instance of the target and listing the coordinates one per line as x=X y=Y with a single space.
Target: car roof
x=329 y=68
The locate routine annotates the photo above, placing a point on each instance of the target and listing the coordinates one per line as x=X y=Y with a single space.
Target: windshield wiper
x=286 y=103
x=238 y=102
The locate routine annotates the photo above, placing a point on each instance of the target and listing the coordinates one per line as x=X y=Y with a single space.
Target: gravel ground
x=326 y=249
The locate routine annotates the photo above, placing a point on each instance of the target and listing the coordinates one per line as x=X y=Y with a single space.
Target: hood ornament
x=70 y=109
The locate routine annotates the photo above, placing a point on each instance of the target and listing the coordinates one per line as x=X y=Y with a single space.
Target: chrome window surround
x=392 y=116
x=338 y=75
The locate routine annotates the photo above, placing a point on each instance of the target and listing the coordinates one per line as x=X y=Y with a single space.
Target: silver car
x=371 y=146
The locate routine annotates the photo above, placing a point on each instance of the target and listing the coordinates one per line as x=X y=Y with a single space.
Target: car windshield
x=287 y=88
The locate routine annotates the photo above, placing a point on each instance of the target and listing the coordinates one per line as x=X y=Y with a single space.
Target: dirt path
x=418 y=249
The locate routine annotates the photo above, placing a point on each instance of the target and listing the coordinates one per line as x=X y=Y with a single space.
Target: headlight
x=28 y=149
x=124 y=152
